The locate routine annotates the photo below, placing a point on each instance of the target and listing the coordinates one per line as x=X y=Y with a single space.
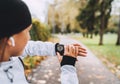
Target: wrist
x=67 y=60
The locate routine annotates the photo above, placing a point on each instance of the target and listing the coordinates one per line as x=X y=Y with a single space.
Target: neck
x=4 y=55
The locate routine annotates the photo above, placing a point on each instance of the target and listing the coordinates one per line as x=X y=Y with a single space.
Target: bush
x=31 y=62
x=39 y=31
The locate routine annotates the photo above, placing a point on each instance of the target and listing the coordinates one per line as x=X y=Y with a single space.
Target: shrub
x=39 y=31
x=31 y=63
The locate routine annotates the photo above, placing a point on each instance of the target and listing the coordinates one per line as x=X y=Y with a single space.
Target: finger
x=76 y=51
x=83 y=53
x=73 y=49
x=76 y=44
x=81 y=48
x=58 y=54
x=70 y=49
x=66 y=50
x=59 y=57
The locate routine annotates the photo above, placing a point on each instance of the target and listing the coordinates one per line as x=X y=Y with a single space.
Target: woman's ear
x=11 y=41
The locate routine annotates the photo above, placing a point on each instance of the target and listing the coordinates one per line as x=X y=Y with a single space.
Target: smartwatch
x=59 y=48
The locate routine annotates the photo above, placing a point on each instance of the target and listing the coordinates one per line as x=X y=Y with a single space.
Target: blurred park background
x=96 y=23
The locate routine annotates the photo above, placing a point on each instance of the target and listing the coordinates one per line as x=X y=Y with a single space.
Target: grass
x=109 y=50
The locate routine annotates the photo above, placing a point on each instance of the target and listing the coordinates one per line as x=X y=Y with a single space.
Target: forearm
x=68 y=71
x=39 y=48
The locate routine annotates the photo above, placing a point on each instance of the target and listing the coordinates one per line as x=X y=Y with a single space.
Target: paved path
x=90 y=69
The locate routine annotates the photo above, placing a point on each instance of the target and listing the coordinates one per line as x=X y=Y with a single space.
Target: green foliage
x=39 y=31
x=87 y=15
x=76 y=30
x=105 y=10
x=31 y=62
x=113 y=24
x=95 y=16
x=90 y=16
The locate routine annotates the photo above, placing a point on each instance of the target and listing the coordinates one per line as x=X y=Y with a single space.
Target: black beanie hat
x=14 y=17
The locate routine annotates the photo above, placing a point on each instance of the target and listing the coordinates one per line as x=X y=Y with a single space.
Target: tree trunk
x=102 y=25
x=87 y=34
x=118 y=38
x=91 y=34
x=83 y=34
x=101 y=30
x=101 y=37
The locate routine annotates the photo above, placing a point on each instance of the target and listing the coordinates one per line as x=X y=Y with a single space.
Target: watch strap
x=68 y=60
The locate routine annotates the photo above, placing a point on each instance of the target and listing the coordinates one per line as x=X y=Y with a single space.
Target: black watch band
x=68 y=60
x=59 y=48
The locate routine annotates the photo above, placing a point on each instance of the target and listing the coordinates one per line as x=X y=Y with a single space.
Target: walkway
x=90 y=69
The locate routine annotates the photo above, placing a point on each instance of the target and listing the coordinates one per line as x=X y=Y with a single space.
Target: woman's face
x=7 y=49
x=21 y=40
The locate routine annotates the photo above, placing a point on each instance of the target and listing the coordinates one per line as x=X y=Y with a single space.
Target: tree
x=118 y=38
x=105 y=9
x=66 y=11
x=87 y=16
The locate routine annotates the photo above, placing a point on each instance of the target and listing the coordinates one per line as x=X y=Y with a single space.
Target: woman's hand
x=73 y=50
x=70 y=50
x=80 y=50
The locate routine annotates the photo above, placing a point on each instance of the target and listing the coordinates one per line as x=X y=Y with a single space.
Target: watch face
x=60 y=48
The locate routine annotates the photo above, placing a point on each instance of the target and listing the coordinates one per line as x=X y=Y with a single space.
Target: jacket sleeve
x=68 y=75
x=68 y=70
x=39 y=48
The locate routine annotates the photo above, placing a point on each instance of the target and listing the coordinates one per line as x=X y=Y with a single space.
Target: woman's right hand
x=71 y=50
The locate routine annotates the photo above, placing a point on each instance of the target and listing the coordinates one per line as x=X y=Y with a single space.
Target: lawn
x=108 y=51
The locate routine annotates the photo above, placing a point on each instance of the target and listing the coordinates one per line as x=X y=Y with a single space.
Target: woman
x=15 y=44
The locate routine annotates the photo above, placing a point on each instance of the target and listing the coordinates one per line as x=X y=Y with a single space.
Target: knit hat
x=14 y=17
